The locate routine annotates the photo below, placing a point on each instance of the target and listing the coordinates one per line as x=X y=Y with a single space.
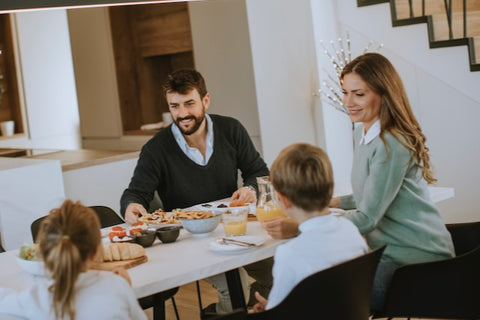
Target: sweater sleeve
x=347 y=202
x=249 y=161
x=385 y=178
x=144 y=181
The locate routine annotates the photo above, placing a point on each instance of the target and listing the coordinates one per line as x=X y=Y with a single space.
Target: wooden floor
x=187 y=302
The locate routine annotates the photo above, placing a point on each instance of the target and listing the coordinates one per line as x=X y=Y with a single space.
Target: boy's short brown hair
x=303 y=173
x=184 y=80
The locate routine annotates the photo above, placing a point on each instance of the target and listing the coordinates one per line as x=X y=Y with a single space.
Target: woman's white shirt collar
x=371 y=134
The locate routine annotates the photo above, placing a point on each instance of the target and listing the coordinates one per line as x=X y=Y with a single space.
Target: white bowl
x=35 y=267
x=201 y=226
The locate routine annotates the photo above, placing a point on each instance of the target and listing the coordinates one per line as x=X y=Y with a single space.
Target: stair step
x=431 y=7
x=440 y=24
x=436 y=9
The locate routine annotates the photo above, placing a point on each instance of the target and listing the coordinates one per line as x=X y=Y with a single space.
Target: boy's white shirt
x=323 y=242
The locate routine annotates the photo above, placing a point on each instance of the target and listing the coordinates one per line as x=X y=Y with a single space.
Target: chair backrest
x=340 y=292
x=35 y=227
x=106 y=215
x=447 y=289
x=465 y=236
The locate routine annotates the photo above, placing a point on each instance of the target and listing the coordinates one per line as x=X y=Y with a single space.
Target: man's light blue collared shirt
x=193 y=153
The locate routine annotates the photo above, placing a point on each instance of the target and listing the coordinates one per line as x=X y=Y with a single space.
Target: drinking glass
x=235 y=221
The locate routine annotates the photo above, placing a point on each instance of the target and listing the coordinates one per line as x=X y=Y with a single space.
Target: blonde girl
x=68 y=241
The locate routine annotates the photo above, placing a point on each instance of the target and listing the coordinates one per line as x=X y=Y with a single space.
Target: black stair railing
x=414 y=15
x=448 y=13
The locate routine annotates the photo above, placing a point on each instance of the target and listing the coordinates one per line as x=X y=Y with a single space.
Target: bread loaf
x=122 y=251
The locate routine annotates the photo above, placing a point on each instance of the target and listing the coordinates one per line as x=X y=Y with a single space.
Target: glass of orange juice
x=235 y=221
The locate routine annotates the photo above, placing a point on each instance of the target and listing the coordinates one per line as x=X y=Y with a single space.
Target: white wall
x=336 y=125
x=95 y=74
x=443 y=93
x=48 y=80
x=227 y=65
x=281 y=33
x=101 y=184
x=30 y=189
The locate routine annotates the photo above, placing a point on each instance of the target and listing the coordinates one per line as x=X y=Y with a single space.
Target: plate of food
x=30 y=261
x=159 y=218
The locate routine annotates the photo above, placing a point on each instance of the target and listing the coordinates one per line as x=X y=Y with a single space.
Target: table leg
x=158 y=307
x=235 y=288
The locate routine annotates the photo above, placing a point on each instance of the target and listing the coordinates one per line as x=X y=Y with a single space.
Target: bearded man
x=196 y=160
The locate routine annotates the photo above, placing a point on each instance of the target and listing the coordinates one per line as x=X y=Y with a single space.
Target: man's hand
x=133 y=211
x=281 y=228
x=245 y=194
x=261 y=304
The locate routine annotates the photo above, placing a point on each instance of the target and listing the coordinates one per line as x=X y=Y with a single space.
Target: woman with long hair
x=391 y=170
x=68 y=240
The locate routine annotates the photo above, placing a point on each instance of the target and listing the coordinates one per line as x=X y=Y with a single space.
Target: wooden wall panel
x=150 y=41
x=10 y=100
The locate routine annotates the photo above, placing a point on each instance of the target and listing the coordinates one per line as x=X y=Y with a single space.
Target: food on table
x=122 y=251
x=117 y=232
x=222 y=205
x=29 y=252
x=137 y=228
x=206 y=205
x=238 y=204
x=188 y=215
x=159 y=217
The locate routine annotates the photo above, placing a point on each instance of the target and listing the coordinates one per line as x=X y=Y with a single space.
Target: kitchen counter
x=76 y=159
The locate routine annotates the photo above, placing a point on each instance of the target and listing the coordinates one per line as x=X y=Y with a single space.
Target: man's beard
x=194 y=128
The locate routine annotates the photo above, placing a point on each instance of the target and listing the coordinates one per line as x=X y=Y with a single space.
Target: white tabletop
x=169 y=265
x=189 y=259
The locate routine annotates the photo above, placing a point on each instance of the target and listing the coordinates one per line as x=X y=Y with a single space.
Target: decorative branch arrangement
x=339 y=55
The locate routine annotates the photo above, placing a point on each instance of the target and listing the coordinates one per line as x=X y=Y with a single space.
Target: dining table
x=170 y=265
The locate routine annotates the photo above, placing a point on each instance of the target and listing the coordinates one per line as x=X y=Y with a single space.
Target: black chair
x=447 y=289
x=465 y=236
x=237 y=314
x=108 y=217
x=340 y=292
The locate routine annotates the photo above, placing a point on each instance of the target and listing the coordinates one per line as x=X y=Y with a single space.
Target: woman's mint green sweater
x=393 y=204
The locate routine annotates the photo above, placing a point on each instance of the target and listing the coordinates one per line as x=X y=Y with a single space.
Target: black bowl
x=145 y=238
x=168 y=234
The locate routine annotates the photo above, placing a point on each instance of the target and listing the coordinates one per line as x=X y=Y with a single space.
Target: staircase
x=458 y=25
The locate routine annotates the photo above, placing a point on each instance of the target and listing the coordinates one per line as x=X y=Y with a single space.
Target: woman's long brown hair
x=69 y=236
x=396 y=115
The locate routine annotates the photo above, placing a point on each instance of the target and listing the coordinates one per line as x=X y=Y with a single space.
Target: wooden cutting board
x=110 y=265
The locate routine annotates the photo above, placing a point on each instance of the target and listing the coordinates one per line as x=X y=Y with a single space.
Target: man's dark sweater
x=180 y=182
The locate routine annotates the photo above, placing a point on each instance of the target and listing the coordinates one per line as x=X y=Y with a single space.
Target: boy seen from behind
x=303 y=179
